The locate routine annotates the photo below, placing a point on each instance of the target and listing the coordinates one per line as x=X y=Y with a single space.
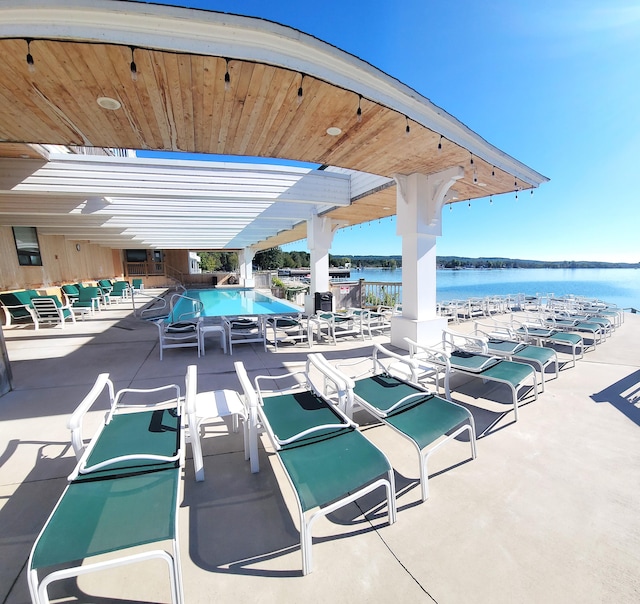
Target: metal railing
x=378 y=293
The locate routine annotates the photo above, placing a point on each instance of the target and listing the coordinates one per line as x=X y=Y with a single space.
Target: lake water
x=616 y=286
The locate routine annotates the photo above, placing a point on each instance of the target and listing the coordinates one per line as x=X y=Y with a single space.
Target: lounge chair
x=181 y=334
x=328 y=462
x=335 y=324
x=17 y=306
x=289 y=328
x=571 y=325
x=537 y=332
x=485 y=367
x=420 y=416
x=207 y=405
x=123 y=493
x=244 y=330
x=49 y=309
x=503 y=343
x=137 y=284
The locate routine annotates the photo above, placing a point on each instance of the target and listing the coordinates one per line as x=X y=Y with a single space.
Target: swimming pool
x=231 y=302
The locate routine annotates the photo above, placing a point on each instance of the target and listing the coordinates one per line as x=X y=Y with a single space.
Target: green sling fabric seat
x=17 y=306
x=552 y=336
x=414 y=413
x=538 y=355
x=471 y=363
x=143 y=433
x=511 y=373
x=329 y=463
x=99 y=516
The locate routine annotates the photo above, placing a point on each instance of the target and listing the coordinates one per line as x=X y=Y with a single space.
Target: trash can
x=323 y=301
x=214 y=280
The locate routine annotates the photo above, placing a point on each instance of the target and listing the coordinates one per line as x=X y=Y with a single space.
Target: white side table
x=213 y=404
x=205 y=329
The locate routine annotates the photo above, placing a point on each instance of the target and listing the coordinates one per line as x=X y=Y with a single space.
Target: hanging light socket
x=30 y=63
x=359 y=110
x=407 y=130
x=300 y=90
x=440 y=145
x=133 y=66
x=227 y=77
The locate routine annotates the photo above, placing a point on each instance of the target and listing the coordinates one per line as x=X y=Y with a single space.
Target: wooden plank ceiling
x=180 y=102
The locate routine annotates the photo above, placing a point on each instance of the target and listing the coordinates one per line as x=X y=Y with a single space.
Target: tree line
x=275 y=258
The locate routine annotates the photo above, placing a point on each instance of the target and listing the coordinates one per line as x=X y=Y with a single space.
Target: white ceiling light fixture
x=334 y=131
x=106 y=102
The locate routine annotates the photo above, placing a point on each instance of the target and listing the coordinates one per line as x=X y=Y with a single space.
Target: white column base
x=249 y=282
x=427 y=332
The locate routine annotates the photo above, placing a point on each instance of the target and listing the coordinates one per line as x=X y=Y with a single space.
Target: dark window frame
x=28 y=256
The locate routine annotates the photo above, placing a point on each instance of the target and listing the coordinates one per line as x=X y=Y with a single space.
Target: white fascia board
x=237 y=37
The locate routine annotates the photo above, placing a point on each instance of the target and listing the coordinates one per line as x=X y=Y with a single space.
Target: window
x=27 y=246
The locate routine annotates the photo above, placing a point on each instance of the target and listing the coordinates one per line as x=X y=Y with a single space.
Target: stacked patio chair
x=426 y=420
x=123 y=493
x=328 y=462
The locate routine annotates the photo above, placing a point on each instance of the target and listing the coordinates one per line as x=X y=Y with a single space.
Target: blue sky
x=554 y=83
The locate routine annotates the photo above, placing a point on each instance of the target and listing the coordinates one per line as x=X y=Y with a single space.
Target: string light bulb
x=133 y=66
x=440 y=145
x=475 y=177
x=493 y=170
x=300 y=91
x=30 y=63
x=359 y=111
x=471 y=160
x=491 y=200
x=227 y=77
x=407 y=130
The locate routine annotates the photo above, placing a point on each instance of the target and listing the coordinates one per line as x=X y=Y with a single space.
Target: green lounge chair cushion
x=423 y=419
x=101 y=516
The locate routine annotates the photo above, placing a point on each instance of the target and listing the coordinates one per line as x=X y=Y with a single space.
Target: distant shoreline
x=460 y=262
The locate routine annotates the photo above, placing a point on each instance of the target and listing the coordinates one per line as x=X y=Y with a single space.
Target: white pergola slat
x=164 y=204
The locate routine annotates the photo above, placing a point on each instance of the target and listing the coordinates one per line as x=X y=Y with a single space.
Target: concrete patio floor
x=548 y=512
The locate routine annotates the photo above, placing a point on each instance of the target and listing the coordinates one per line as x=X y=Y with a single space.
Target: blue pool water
x=231 y=302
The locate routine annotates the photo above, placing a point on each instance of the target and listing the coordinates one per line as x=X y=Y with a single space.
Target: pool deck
x=548 y=512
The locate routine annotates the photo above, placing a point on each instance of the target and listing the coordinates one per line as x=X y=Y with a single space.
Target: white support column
x=245 y=260
x=419 y=222
x=320 y=232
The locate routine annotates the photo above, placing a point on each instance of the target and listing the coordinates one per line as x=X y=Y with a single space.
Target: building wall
x=61 y=263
